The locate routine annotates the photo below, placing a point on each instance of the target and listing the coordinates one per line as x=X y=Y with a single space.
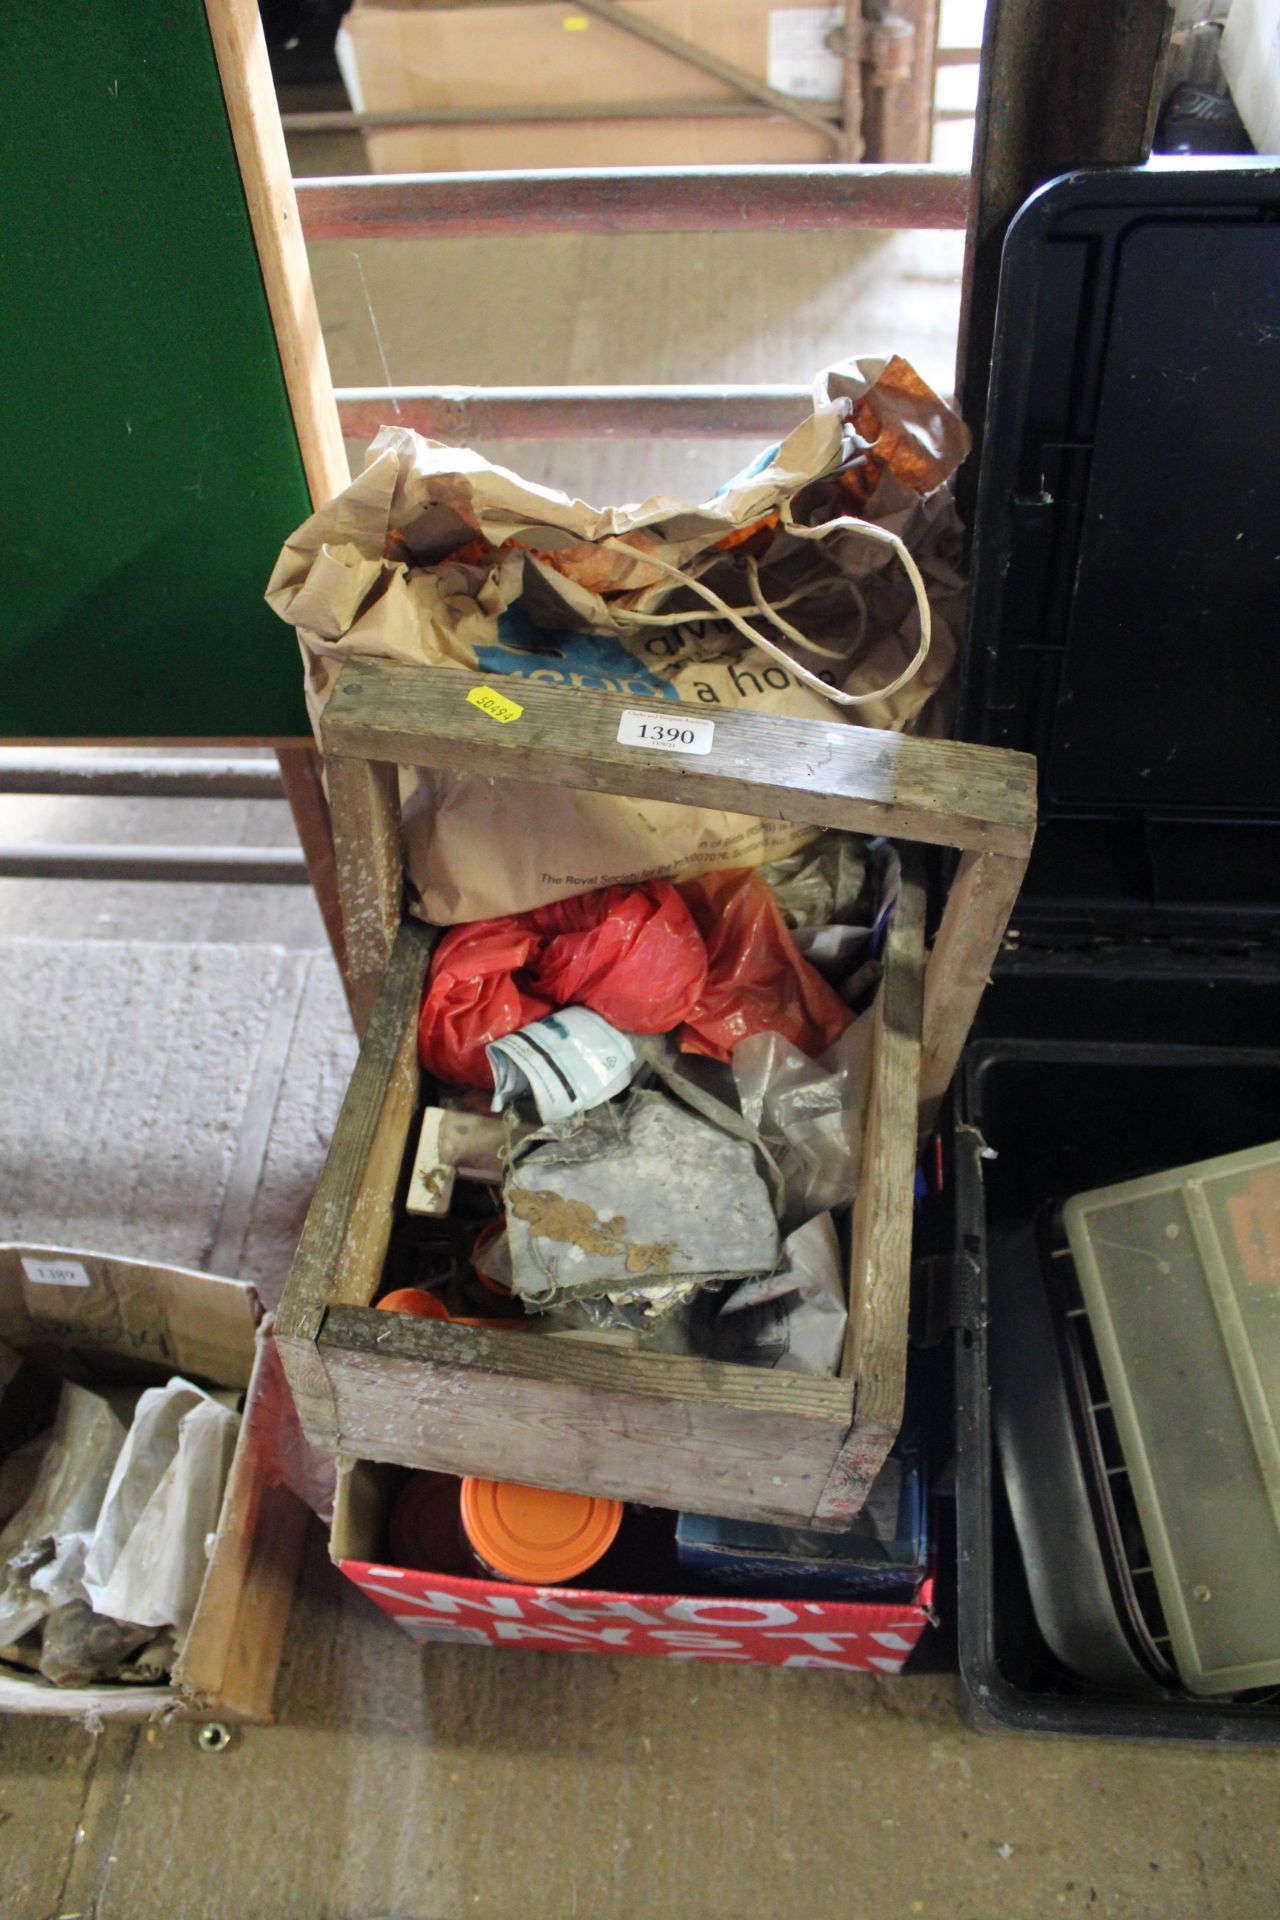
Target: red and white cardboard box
x=497 y=1613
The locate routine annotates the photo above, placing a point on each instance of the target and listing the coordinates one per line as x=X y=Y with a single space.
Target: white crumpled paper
x=567 y=1063
x=793 y=1319
x=42 y=1547
x=147 y=1560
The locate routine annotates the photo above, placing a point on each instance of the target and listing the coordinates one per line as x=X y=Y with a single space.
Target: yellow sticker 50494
x=496 y=705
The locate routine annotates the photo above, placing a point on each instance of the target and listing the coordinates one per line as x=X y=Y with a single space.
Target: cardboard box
x=109 y=1320
x=844 y=1635
x=534 y=55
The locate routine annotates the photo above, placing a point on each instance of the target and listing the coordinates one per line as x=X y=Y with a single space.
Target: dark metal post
x=1064 y=84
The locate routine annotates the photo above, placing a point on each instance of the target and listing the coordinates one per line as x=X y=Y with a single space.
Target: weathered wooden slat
x=365 y=801
x=974 y=919
x=522 y=1356
x=229 y=1663
x=348 y=1224
x=825 y=773
x=875 y=1355
x=302 y=775
x=698 y=1454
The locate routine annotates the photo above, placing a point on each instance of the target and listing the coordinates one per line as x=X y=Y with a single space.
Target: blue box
x=883 y=1556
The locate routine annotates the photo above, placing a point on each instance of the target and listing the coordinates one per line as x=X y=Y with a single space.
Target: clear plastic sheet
x=809 y=1114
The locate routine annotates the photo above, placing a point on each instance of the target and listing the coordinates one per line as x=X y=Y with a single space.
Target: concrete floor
x=435 y=1783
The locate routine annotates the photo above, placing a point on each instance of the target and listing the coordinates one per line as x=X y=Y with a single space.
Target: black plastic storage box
x=1125 y=627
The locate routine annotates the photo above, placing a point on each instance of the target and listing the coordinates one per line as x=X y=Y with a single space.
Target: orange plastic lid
x=428 y=1306
x=414 y=1300
x=535 y=1534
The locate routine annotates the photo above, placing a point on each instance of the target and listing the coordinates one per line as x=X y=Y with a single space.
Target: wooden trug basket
x=665 y=1429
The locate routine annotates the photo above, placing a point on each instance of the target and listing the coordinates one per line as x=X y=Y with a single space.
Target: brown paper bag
x=821 y=582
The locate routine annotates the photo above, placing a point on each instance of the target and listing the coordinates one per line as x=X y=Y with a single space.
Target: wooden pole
x=240 y=48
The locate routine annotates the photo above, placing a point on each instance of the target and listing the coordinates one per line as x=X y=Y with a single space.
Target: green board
x=152 y=468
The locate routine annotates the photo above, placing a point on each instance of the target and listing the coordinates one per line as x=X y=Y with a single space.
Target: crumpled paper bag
x=147 y=1560
x=434 y=556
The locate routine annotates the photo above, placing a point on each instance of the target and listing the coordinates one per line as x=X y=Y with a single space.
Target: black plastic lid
x=1124 y=617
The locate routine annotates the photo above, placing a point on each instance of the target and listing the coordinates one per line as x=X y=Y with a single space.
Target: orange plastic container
x=428 y=1306
x=535 y=1535
x=415 y=1300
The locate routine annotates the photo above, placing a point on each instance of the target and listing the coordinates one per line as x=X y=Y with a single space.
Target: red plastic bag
x=473 y=997
x=631 y=954
x=757 y=981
